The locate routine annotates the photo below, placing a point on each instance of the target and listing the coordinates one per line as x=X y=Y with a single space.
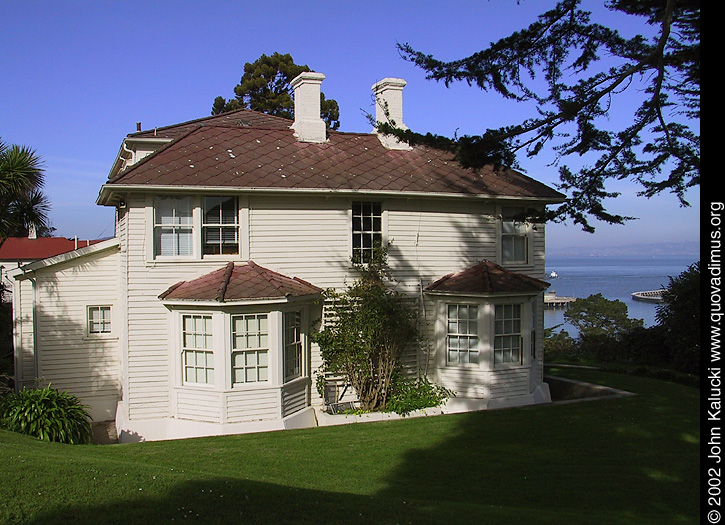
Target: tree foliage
x=372 y=327
x=22 y=202
x=679 y=315
x=556 y=64
x=596 y=316
x=265 y=86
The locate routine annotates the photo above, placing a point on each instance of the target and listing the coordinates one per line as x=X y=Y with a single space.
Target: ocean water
x=616 y=278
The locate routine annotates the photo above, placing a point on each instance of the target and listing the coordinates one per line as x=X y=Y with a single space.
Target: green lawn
x=628 y=460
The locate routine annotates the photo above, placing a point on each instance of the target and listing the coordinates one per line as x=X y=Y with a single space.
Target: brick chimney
x=308 y=125
x=389 y=108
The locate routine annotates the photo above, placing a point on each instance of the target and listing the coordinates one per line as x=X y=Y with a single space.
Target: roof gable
x=486 y=278
x=239 y=282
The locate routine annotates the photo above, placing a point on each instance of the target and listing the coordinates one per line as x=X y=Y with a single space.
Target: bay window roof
x=486 y=278
x=238 y=282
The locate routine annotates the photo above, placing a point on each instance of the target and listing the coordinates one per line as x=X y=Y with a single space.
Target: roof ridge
x=222 y=291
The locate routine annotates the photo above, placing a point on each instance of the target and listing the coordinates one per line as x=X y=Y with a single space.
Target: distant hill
x=691 y=248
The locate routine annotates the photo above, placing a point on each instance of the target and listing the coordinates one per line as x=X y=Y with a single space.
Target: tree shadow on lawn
x=626 y=460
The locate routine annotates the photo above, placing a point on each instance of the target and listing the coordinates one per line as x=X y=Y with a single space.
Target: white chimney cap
x=389 y=108
x=308 y=124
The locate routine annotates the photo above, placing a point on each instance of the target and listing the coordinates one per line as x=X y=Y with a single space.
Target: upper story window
x=367 y=230
x=173 y=226
x=196 y=226
x=514 y=236
x=220 y=226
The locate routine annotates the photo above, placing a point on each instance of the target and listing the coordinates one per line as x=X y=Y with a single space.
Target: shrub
x=415 y=394
x=48 y=414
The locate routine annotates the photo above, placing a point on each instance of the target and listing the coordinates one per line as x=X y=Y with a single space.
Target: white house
x=195 y=318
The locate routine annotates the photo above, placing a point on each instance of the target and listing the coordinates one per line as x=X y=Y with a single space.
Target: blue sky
x=77 y=76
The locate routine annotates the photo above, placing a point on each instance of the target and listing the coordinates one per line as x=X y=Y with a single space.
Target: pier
x=551 y=300
x=652 y=296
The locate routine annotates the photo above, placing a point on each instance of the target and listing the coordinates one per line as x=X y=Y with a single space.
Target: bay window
x=250 y=348
x=197 y=349
x=462 y=334
x=292 y=348
x=508 y=337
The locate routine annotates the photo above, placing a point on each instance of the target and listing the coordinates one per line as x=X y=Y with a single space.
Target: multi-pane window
x=197 y=350
x=292 y=345
x=99 y=319
x=514 y=236
x=462 y=333
x=220 y=226
x=367 y=230
x=250 y=348
x=507 y=340
x=173 y=226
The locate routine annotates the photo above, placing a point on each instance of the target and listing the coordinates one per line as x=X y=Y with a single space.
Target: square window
x=99 y=319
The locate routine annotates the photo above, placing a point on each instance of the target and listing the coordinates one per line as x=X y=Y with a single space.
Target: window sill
x=93 y=338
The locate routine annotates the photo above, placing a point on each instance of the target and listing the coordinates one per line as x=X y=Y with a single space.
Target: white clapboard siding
x=295 y=397
x=199 y=405
x=299 y=236
x=68 y=356
x=253 y=405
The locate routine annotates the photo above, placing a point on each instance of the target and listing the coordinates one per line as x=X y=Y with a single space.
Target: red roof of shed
x=25 y=249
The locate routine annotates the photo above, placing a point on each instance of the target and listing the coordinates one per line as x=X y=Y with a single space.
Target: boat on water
x=553 y=275
x=651 y=296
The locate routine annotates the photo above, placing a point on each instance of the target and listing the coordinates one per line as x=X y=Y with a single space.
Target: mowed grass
x=627 y=460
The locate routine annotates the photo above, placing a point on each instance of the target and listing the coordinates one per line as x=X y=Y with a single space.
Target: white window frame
x=221 y=226
x=293 y=345
x=507 y=328
x=362 y=230
x=104 y=320
x=263 y=349
x=513 y=231
x=159 y=226
x=462 y=332
x=206 y=349
x=197 y=227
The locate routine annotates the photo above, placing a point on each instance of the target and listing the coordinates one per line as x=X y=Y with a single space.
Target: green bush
x=415 y=394
x=48 y=414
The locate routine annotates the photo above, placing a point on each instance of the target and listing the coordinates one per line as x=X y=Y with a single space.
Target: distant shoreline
x=676 y=249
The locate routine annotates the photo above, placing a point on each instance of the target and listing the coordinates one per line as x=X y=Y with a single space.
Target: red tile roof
x=485 y=278
x=240 y=282
x=25 y=249
x=261 y=152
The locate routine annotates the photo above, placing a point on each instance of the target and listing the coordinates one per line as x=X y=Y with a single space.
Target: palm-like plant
x=22 y=202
